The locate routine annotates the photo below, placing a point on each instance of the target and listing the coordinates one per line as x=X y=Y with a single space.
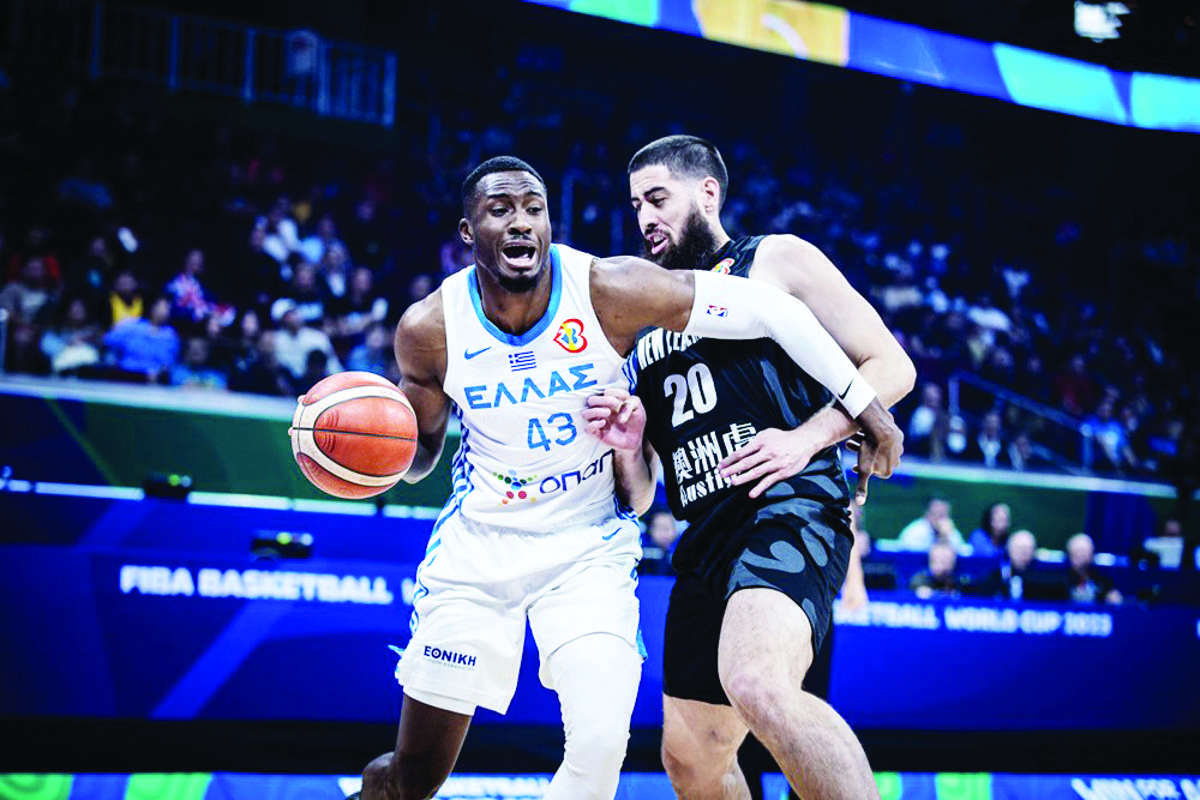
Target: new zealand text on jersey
x=659 y=344
x=486 y=395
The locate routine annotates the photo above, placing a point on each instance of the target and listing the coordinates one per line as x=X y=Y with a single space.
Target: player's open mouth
x=520 y=255
x=658 y=242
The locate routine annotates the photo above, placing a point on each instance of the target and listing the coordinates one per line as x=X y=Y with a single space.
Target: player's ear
x=710 y=193
x=464 y=231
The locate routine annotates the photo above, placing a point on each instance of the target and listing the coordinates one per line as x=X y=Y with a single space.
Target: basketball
x=354 y=435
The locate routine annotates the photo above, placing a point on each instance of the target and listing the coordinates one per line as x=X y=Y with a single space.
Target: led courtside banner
x=833 y=35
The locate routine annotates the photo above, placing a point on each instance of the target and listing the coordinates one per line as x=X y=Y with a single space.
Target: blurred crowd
x=210 y=256
x=1001 y=559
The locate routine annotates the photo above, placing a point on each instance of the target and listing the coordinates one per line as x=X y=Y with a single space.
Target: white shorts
x=477 y=586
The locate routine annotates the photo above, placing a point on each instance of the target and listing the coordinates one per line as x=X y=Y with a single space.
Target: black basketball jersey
x=706 y=397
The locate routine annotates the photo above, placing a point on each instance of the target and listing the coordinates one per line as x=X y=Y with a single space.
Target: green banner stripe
x=963 y=786
x=35 y=787
x=178 y=786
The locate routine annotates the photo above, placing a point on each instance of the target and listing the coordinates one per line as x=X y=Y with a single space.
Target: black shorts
x=803 y=554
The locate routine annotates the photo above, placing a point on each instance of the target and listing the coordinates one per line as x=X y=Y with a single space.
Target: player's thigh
x=699 y=735
x=765 y=636
x=781 y=590
x=596 y=597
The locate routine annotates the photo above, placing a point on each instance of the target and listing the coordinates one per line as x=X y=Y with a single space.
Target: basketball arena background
x=183 y=616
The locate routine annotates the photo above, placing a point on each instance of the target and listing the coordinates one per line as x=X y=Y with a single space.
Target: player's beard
x=696 y=246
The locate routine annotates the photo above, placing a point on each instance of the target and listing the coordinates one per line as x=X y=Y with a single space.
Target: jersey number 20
x=698 y=385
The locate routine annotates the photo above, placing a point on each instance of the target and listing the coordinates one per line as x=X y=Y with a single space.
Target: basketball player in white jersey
x=514 y=345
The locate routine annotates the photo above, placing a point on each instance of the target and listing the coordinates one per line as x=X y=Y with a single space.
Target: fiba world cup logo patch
x=570 y=336
x=723 y=266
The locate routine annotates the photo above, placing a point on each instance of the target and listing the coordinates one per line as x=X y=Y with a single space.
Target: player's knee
x=697 y=759
x=597 y=746
x=755 y=691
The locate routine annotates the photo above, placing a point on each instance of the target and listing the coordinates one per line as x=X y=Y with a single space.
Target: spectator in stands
x=334 y=268
x=940 y=578
x=361 y=307
x=1168 y=549
x=22 y=351
x=72 y=345
x=90 y=275
x=30 y=298
x=280 y=235
x=928 y=425
x=305 y=295
x=420 y=286
x=36 y=245
x=125 y=300
x=1076 y=389
x=259 y=372
x=144 y=350
x=315 y=246
x=989 y=539
x=1084 y=583
x=988 y=447
x=366 y=234
x=191 y=302
x=194 y=371
x=658 y=542
x=453 y=256
x=935 y=525
x=316 y=369
x=1105 y=443
x=294 y=341
x=375 y=353
x=261 y=273
x=1017 y=579
x=1023 y=455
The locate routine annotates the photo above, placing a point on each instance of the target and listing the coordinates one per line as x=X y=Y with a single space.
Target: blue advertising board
x=160 y=610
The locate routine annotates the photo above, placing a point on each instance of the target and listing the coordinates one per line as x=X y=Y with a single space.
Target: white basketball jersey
x=525 y=460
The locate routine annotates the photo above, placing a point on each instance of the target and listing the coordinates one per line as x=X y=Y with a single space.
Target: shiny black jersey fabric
x=706 y=397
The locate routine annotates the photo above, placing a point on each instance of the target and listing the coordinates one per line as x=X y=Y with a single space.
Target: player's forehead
x=653 y=178
x=512 y=184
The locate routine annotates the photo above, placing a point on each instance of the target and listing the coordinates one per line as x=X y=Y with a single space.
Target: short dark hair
x=688 y=156
x=497 y=164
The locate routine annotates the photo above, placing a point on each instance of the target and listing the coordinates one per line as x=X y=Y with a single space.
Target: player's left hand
x=768 y=458
x=616 y=418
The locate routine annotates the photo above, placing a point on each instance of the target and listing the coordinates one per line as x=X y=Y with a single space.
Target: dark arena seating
x=205 y=208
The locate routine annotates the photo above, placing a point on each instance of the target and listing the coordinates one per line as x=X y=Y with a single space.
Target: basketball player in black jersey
x=747 y=442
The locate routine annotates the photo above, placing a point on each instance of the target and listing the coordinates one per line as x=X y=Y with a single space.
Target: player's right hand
x=616 y=418
x=880 y=449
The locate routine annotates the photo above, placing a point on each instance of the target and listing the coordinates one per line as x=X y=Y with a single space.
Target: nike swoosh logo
x=614 y=533
x=468 y=355
x=841 y=396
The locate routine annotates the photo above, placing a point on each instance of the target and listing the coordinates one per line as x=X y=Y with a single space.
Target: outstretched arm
x=630 y=293
x=420 y=345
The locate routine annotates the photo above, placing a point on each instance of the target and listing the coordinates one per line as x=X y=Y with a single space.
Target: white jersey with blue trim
x=525 y=460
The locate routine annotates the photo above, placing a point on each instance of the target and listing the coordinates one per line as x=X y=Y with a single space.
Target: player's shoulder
x=785 y=245
x=570 y=256
x=788 y=260
x=424 y=319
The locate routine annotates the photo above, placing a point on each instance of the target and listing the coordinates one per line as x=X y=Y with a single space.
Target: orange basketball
x=354 y=435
